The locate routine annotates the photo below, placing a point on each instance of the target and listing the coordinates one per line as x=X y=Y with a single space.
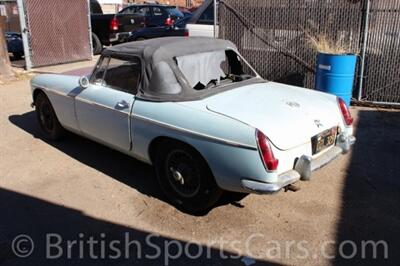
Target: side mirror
x=84 y=82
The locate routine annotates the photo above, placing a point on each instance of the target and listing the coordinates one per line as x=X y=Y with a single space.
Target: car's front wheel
x=47 y=118
x=185 y=178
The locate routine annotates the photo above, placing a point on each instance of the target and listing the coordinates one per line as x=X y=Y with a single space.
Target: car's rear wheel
x=185 y=178
x=47 y=118
x=97 y=46
x=18 y=55
x=140 y=39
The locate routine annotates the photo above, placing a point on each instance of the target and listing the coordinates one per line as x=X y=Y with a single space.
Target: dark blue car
x=14 y=44
x=178 y=28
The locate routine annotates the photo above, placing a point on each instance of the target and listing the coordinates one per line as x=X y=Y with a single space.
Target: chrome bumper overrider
x=304 y=166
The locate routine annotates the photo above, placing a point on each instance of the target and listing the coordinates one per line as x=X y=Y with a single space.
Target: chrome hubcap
x=177 y=176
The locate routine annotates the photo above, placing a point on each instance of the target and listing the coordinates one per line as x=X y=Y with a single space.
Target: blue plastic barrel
x=335 y=74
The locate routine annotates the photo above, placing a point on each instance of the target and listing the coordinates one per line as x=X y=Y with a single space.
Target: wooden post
x=5 y=64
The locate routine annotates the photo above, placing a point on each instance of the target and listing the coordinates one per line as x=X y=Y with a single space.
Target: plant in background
x=323 y=44
x=339 y=43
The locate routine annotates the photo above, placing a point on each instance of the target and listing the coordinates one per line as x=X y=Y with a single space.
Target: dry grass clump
x=324 y=45
x=324 y=41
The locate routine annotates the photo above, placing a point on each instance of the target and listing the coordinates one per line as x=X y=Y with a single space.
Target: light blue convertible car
x=196 y=110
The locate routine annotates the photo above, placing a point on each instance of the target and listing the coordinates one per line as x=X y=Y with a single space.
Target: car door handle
x=122 y=105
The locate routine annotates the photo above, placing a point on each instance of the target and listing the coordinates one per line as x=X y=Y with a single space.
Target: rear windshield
x=173 y=11
x=214 y=69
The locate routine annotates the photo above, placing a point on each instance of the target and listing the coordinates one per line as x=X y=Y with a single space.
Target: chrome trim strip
x=193 y=133
x=58 y=93
x=83 y=100
x=149 y=120
x=36 y=86
x=102 y=105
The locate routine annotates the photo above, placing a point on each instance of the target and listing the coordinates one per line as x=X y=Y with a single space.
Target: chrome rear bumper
x=119 y=36
x=304 y=166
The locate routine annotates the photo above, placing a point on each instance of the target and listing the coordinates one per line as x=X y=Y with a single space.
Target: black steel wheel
x=185 y=178
x=47 y=118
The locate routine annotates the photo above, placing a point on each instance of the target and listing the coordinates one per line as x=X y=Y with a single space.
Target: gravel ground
x=77 y=190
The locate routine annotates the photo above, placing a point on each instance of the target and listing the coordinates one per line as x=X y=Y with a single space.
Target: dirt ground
x=81 y=190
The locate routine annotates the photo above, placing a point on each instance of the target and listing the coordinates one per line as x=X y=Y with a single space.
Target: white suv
x=202 y=22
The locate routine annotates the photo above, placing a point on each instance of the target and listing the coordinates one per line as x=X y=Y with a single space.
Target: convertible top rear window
x=202 y=68
x=212 y=69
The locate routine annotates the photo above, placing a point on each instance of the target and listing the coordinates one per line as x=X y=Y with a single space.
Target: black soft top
x=162 y=80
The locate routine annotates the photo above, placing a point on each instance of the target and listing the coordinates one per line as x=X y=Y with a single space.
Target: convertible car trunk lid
x=288 y=115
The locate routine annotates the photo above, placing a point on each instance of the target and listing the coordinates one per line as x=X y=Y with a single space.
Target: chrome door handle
x=122 y=105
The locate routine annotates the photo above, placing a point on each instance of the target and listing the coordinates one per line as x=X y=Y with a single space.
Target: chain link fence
x=382 y=62
x=274 y=35
x=57 y=31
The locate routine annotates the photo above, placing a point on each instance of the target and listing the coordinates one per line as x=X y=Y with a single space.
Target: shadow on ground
x=370 y=197
x=371 y=192
x=119 y=166
x=99 y=242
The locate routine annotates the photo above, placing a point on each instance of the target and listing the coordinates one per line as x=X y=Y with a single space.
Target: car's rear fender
x=228 y=146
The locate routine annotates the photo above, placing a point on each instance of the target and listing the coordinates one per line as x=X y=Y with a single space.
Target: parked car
x=202 y=21
x=137 y=16
x=185 y=11
x=177 y=29
x=101 y=26
x=196 y=110
x=14 y=44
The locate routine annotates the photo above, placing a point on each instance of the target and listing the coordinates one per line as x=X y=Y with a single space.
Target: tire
x=140 y=39
x=18 y=55
x=97 y=46
x=185 y=178
x=47 y=118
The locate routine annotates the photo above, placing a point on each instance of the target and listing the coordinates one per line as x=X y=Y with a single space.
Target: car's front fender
x=61 y=91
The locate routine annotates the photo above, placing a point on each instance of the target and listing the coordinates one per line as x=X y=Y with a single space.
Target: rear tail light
x=345 y=112
x=169 y=22
x=186 y=33
x=114 y=24
x=264 y=147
